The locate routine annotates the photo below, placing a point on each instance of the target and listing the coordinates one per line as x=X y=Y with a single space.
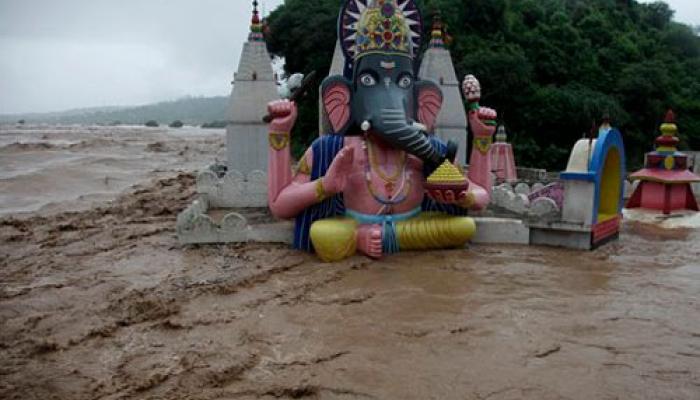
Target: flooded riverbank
x=103 y=303
x=56 y=168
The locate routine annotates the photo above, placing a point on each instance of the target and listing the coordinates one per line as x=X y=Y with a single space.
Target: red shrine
x=665 y=181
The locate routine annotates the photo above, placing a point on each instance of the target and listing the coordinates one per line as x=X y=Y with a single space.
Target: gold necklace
x=376 y=167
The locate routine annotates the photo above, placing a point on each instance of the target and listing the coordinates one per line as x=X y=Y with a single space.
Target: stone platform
x=228 y=188
x=501 y=231
x=201 y=224
x=561 y=234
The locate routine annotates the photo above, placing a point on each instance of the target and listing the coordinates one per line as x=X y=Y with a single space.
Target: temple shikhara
x=254 y=86
x=437 y=66
x=665 y=181
x=239 y=182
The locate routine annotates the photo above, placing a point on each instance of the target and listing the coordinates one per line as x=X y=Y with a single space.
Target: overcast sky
x=61 y=54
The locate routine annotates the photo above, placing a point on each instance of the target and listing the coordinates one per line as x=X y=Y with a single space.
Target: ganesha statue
x=380 y=182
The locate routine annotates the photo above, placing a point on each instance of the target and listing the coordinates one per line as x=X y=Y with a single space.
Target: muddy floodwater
x=99 y=301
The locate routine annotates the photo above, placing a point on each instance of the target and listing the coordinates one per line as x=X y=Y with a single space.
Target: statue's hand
x=336 y=177
x=461 y=198
x=482 y=119
x=472 y=89
x=483 y=122
x=284 y=115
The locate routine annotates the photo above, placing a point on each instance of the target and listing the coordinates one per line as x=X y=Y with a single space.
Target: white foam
x=678 y=219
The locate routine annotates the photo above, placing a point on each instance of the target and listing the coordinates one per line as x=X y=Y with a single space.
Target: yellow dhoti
x=336 y=238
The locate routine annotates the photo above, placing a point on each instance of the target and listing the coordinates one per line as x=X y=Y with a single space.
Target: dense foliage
x=550 y=67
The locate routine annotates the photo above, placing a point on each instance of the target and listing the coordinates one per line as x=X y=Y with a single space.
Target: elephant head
x=383 y=97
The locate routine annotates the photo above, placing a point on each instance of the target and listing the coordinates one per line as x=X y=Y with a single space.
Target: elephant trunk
x=393 y=127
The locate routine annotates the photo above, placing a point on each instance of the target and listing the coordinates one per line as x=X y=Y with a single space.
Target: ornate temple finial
x=501 y=135
x=670 y=117
x=436 y=38
x=256 y=28
x=668 y=141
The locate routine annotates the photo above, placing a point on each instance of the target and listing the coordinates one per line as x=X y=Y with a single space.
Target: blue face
x=383 y=82
x=384 y=101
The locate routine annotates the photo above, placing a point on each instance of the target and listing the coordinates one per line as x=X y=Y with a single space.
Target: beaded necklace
x=378 y=169
x=396 y=196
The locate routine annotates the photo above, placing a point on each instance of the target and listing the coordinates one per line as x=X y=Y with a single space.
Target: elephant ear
x=429 y=103
x=335 y=92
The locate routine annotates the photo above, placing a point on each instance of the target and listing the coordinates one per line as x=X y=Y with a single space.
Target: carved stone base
x=230 y=189
x=538 y=204
x=200 y=224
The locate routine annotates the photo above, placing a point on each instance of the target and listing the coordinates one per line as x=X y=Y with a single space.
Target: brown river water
x=99 y=301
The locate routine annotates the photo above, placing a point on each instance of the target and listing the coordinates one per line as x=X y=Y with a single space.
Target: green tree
x=550 y=67
x=303 y=33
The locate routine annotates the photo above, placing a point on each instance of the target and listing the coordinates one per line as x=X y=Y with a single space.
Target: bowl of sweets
x=447 y=178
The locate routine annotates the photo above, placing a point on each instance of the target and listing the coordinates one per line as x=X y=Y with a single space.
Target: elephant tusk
x=420 y=126
x=366 y=126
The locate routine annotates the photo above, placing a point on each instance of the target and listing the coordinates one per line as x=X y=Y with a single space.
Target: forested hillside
x=550 y=67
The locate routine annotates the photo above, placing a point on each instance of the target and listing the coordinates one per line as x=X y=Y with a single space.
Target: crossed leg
x=338 y=238
x=432 y=230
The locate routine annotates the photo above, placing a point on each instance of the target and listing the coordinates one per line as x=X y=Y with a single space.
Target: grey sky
x=60 y=54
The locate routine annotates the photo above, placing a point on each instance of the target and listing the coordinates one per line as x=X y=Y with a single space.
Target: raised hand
x=336 y=177
x=481 y=119
x=462 y=198
x=284 y=115
x=471 y=89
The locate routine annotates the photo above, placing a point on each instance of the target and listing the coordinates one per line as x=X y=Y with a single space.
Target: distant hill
x=190 y=110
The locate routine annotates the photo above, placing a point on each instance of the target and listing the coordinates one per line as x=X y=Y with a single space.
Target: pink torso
x=401 y=182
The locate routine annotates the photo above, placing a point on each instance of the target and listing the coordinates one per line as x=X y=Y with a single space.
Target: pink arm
x=287 y=196
x=479 y=161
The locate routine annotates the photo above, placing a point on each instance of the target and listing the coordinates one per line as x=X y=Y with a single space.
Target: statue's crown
x=379 y=26
x=382 y=28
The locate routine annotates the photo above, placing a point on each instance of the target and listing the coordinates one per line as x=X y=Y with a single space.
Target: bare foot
x=369 y=240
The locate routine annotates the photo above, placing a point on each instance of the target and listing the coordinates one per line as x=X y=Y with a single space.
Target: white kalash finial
x=501 y=135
